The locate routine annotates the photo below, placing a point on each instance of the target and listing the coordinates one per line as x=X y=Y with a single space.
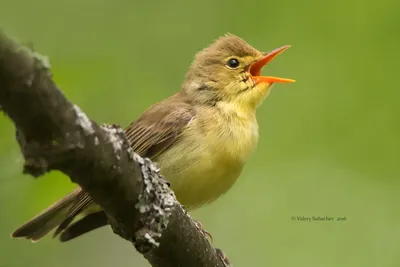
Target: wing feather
x=151 y=134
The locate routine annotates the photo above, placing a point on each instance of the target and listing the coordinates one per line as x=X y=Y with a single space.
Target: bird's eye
x=233 y=63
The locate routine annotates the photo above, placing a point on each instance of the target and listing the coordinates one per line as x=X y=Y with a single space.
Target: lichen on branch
x=55 y=134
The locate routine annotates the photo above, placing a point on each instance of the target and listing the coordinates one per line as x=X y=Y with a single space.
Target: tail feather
x=83 y=202
x=86 y=224
x=47 y=220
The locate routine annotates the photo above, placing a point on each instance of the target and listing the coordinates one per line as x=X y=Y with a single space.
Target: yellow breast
x=209 y=156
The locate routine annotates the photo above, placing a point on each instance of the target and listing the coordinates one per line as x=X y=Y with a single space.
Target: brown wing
x=158 y=127
x=151 y=134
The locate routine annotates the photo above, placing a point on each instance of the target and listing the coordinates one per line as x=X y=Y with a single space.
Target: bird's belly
x=198 y=173
x=204 y=163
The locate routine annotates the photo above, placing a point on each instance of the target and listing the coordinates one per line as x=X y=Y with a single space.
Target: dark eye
x=233 y=63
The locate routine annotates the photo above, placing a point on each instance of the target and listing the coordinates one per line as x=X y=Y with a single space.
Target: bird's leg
x=207 y=234
x=223 y=257
x=199 y=227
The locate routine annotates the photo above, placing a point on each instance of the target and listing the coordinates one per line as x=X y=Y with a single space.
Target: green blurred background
x=329 y=143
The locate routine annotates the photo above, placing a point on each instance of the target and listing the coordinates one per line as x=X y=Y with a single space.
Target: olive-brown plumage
x=200 y=137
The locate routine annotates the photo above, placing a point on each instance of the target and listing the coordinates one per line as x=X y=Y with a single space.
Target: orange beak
x=255 y=68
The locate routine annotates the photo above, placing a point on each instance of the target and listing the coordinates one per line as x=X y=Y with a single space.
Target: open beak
x=255 y=68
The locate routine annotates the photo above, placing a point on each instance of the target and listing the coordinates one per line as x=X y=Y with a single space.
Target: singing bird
x=200 y=137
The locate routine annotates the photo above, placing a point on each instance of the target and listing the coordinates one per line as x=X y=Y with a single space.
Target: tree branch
x=54 y=134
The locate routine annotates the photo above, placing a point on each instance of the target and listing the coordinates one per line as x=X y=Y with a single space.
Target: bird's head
x=229 y=71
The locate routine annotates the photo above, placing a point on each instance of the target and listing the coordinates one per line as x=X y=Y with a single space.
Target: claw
x=199 y=227
x=223 y=257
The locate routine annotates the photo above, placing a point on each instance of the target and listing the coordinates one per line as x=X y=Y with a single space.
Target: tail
x=59 y=215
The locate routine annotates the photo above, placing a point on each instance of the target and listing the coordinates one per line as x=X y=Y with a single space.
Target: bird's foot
x=223 y=257
x=199 y=227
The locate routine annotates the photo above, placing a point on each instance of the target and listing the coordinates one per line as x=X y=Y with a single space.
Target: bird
x=200 y=137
